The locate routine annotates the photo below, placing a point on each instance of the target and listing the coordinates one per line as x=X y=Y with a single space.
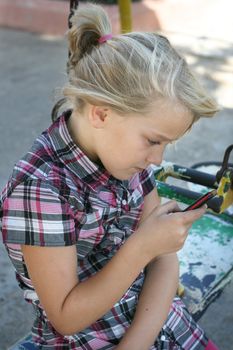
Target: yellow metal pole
x=225 y=190
x=125 y=15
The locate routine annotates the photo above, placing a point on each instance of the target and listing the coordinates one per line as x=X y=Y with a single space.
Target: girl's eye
x=154 y=142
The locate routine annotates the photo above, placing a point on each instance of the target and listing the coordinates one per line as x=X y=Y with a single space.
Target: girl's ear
x=98 y=116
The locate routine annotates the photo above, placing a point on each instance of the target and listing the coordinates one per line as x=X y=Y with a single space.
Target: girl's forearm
x=95 y=296
x=155 y=300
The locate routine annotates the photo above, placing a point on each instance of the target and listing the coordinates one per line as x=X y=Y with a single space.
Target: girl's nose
x=156 y=157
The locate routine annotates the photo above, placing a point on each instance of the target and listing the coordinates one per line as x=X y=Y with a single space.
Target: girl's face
x=128 y=144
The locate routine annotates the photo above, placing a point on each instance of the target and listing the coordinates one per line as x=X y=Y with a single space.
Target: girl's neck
x=81 y=135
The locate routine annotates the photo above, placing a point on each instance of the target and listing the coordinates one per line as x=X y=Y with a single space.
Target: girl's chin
x=126 y=175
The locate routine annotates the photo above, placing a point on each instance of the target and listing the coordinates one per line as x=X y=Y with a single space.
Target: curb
x=37 y=16
x=211 y=19
x=50 y=17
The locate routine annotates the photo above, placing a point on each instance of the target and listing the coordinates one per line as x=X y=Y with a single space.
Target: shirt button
x=124 y=202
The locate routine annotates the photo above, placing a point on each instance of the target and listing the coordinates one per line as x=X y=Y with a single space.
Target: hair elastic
x=104 y=38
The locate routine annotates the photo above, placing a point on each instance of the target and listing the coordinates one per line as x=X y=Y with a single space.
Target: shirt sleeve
x=147 y=180
x=34 y=214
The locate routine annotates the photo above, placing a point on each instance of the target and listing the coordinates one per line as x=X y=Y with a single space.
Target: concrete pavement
x=31 y=67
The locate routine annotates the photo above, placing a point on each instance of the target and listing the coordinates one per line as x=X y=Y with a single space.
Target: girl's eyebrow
x=163 y=138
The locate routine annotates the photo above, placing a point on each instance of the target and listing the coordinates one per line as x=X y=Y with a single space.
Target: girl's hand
x=165 y=230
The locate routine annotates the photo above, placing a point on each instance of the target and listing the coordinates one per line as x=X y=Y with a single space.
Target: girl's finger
x=195 y=214
x=168 y=207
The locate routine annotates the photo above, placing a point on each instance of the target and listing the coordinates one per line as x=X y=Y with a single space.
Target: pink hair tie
x=104 y=38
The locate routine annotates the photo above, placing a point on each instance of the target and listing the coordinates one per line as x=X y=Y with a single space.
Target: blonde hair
x=129 y=71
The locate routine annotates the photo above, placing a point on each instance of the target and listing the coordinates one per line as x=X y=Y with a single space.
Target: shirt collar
x=75 y=160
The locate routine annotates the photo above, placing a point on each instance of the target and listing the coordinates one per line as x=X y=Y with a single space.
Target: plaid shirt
x=56 y=196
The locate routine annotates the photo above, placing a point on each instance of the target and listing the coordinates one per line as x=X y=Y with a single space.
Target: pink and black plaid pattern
x=57 y=197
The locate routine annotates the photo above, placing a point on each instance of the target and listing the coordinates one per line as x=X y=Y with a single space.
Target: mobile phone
x=202 y=200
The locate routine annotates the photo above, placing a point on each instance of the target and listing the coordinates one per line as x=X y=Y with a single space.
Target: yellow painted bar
x=225 y=190
x=180 y=291
x=125 y=9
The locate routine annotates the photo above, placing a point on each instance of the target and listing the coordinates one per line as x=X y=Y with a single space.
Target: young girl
x=93 y=249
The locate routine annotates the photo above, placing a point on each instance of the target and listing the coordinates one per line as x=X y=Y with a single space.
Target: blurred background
x=33 y=54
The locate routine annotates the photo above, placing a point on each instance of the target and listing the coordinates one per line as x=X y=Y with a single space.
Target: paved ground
x=30 y=68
